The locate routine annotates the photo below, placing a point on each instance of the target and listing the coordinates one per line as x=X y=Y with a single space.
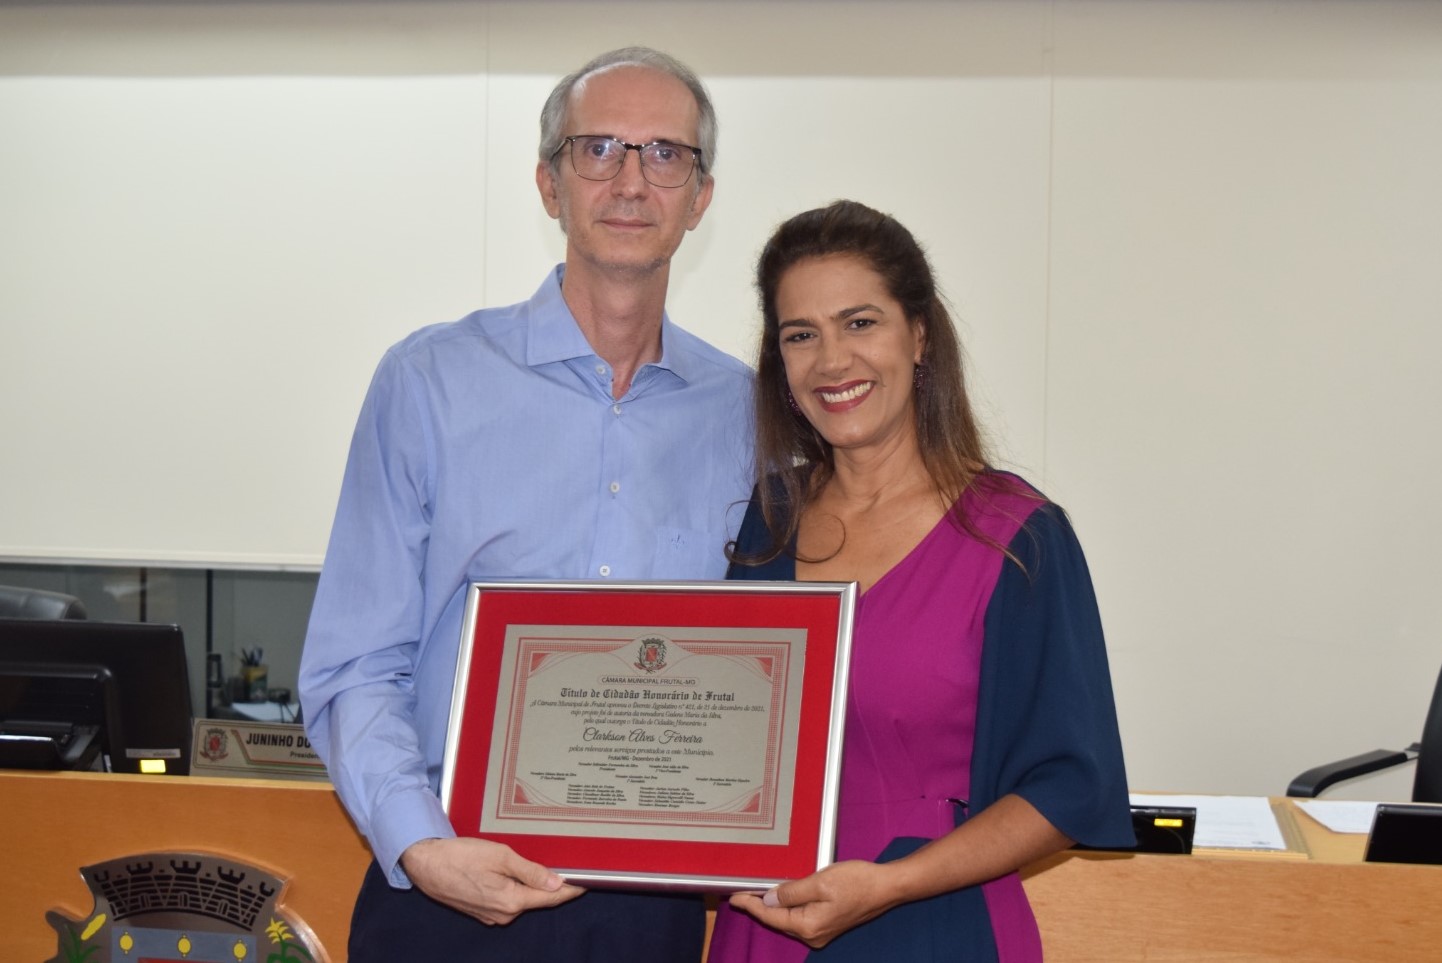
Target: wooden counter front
x=1320 y=906
x=52 y=824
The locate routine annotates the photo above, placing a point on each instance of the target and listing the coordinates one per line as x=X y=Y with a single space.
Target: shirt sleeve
x=361 y=648
x=1046 y=724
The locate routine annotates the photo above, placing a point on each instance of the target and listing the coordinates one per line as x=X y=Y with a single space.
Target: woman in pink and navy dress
x=981 y=732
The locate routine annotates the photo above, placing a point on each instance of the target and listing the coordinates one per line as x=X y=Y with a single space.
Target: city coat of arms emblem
x=651 y=653
x=169 y=907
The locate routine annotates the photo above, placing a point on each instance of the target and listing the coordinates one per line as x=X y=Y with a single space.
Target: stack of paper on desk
x=1341 y=815
x=1245 y=823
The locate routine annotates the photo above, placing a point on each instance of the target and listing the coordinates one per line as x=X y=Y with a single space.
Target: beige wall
x=1193 y=249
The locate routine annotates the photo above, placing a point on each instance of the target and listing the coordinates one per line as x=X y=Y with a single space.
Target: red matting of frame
x=819 y=614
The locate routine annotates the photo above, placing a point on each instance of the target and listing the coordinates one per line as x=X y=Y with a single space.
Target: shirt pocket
x=685 y=553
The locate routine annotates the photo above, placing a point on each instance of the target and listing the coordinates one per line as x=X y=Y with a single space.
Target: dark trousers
x=404 y=925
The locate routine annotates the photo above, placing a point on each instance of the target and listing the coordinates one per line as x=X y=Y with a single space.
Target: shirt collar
x=555 y=336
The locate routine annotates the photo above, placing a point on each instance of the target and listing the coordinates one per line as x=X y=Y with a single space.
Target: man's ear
x=699 y=204
x=546 y=184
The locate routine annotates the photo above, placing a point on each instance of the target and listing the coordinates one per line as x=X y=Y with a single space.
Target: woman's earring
x=918 y=377
x=791 y=402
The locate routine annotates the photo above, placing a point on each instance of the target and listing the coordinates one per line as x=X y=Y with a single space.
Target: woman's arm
x=996 y=841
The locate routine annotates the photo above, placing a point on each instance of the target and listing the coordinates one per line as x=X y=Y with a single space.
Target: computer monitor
x=125 y=685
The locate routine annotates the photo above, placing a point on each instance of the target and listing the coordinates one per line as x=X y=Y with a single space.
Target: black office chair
x=28 y=603
x=1426 y=787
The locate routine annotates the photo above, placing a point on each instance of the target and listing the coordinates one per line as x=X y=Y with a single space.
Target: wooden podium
x=1320 y=904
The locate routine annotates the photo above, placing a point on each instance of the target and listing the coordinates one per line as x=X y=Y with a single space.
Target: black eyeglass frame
x=570 y=142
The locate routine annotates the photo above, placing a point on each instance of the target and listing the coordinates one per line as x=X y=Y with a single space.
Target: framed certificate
x=667 y=735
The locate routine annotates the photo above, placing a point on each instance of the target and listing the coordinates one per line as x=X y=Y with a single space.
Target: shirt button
x=616 y=409
x=600 y=369
x=604 y=570
x=615 y=487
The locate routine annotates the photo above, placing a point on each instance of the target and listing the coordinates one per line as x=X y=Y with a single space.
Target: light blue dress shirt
x=491 y=448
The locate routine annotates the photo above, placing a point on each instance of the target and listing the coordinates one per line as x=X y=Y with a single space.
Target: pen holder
x=255 y=679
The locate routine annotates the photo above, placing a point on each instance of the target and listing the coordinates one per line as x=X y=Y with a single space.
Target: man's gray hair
x=553 y=115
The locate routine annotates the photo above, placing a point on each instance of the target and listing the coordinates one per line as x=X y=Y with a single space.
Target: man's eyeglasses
x=663 y=164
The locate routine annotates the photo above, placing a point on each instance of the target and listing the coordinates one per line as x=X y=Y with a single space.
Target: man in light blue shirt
x=578 y=435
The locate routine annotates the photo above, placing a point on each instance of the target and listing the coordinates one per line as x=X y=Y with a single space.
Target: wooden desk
x=1327 y=907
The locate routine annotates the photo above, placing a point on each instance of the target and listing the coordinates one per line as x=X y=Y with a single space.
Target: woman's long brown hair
x=788 y=448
